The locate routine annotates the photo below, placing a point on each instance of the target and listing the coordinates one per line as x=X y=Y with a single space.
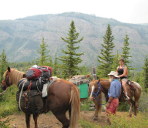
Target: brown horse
x=102 y=85
x=62 y=96
x=11 y=76
x=96 y=87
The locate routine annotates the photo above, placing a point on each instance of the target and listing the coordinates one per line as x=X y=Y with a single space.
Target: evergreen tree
x=126 y=50
x=55 y=66
x=106 y=58
x=71 y=59
x=146 y=72
x=43 y=54
x=3 y=64
x=116 y=61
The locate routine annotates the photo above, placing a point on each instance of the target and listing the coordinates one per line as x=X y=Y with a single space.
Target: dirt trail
x=49 y=121
x=44 y=121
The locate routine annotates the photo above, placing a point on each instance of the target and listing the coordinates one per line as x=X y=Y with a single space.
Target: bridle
x=6 y=82
x=99 y=89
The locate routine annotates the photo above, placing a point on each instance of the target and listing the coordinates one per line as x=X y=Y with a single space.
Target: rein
x=95 y=94
x=24 y=81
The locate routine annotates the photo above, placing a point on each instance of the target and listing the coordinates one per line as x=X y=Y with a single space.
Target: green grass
x=120 y=121
x=4 y=124
x=86 y=124
x=8 y=103
x=85 y=105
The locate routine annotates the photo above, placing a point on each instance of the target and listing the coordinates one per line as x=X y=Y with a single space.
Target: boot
x=127 y=97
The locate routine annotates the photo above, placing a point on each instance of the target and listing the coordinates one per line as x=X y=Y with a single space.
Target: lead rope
x=21 y=93
x=37 y=86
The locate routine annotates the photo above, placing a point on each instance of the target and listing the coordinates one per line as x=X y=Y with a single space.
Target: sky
x=128 y=11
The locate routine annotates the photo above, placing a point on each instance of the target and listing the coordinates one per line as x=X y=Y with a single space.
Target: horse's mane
x=103 y=79
x=15 y=75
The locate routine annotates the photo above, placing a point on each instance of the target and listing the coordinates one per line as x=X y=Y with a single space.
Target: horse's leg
x=136 y=106
x=61 y=116
x=132 y=103
x=97 y=111
x=130 y=110
x=27 y=116
x=35 y=117
x=98 y=105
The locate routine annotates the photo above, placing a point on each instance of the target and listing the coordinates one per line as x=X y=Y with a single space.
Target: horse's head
x=94 y=88
x=6 y=82
x=98 y=86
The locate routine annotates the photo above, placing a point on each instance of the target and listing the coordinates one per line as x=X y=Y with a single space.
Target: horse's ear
x=24 y=75
x=98 y=78
x=9 y=69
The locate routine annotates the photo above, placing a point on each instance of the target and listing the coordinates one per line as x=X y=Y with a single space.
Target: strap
x=95 y=94
x=21 y=92
x=29 y=87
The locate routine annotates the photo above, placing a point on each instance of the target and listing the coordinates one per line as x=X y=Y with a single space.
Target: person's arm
x=125 y=73
x=111 y=95
x=110 y=99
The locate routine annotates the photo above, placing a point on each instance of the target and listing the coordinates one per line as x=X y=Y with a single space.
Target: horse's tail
x=139 y=88
x=75 y=107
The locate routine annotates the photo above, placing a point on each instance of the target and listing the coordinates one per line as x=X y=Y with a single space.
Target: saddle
x=30 y=101
x=30 y=85
x=131 y=84
x=132 y=88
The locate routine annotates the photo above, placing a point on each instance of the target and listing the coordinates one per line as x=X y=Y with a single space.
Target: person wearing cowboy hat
x=113 y=93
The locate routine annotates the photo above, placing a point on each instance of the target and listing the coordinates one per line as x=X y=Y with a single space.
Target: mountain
x=21 y=37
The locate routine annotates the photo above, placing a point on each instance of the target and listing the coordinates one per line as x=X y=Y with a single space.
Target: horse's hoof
x=95 y=118
x=130 y=115
x=108 y=121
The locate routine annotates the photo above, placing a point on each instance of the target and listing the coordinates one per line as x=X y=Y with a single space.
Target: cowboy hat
x=113 y=73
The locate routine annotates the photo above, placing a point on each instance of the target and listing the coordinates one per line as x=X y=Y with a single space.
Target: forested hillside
x=21 y=37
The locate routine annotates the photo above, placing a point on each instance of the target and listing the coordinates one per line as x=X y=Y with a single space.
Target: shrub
x=123 y=106
x=8 y=102
x=143 y=104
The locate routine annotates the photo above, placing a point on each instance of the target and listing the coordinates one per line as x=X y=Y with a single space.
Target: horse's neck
x=16 y=76
x=105 y=83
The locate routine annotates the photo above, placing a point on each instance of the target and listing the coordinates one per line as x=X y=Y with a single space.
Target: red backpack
x=46 y=71
x=33 y=73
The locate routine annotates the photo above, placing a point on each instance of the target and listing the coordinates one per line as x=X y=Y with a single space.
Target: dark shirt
x=120 y=71
x=115 y=89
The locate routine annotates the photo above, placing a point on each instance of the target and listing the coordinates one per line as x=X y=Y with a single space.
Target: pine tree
x=71 y=59
x=126 y=51
x=146 y=72
x=3 y=64
x=43 y=54
x=55 y=66
x=116 y=61
x=106 y=58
